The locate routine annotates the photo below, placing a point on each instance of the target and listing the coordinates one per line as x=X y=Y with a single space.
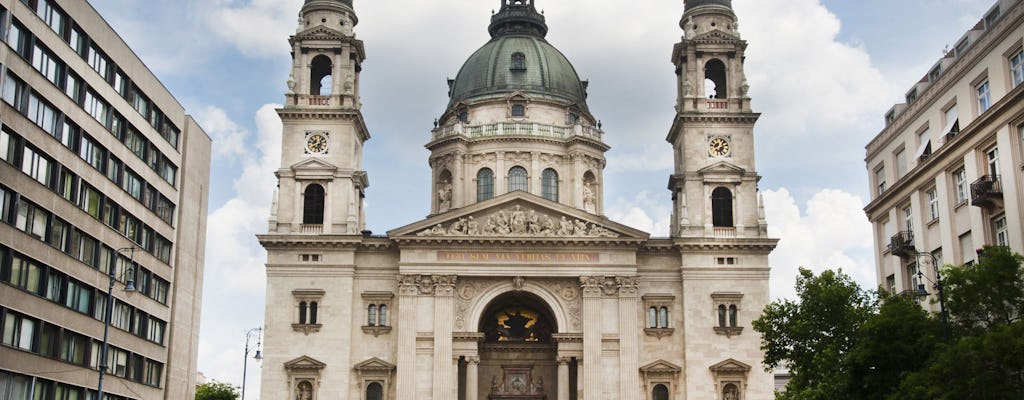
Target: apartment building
x=102 y=170
x=946 y=170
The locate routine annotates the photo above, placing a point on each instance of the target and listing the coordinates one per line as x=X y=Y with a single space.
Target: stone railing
x=312 y=229
x=517 y=129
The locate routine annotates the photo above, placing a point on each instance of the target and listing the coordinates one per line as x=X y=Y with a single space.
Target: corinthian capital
x=591 y=285
x=444 y=285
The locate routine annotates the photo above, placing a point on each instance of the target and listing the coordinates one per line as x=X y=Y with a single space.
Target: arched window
x=382 y=318
x=484 y=184
x=652 y=317
x=731 y=392
x=714 y=71
x=312 y=312
x=374 y=391
x=464 y=117
x=721 y=315
x=302 y=312
x=660 y=392
x=518 y=62
x=518 y=110
x=320 y=78
x=663 y=317
x=732 y=315
x=313 y=205
x=549 y=184
x=371 y=319
x=721 y=207
x=518 y=179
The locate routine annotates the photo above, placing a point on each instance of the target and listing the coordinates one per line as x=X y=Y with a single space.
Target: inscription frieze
x=519 y=222
x=517 y=256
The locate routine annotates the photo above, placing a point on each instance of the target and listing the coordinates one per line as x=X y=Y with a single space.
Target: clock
x=316 y=142
x=718 y=147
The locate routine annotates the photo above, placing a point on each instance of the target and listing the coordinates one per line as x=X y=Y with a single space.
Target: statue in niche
x=690 y=30
x=589 y=200
x=538 y=385
x=305 y=391
x=349 y=84
x=731 y=393
x=444 y=196
x=687 y=88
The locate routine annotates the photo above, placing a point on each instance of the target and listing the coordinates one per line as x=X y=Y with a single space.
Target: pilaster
x=629 y=341
x=405 y=326
x=592 y=294
x=444 y=309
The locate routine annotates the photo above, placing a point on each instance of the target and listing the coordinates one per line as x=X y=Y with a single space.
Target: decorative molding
x=591 y=286
x=729 y=331
x=628 y=286
x=377 y=330
x=444 y=285
x=307 y=328
x=519 y=222
x=659 y=332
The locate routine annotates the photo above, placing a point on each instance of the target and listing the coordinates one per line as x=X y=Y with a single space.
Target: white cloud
x=259 y=28
x=226 y=134
x=831 y=233
x=234 y=259
x=643 y=213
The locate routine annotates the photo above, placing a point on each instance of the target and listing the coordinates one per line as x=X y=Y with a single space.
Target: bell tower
x=321 y=183
x=714 y=186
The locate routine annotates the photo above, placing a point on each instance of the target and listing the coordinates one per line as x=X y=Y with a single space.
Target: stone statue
x=474 y=227
x=589 y=201
x=538 y=385
x=731 y=393
x=744 y=88
x=305 y=391
x=690 y=30
x=444 y=196
x=291 y=83
x=349 y=84
x=687 y=88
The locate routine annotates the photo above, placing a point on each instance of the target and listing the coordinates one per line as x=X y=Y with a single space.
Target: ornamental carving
x=517 y=222
x=628 y=286
x=407 y=285
x=466 y=291
x=444 y=285
x=425 y=284
x=591 y=286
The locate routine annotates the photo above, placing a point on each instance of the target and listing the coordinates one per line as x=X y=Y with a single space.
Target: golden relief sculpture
x=517 y=221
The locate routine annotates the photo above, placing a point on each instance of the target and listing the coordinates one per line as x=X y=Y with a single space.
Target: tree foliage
x=813 y=336
x=839 y=344
x=216 y=391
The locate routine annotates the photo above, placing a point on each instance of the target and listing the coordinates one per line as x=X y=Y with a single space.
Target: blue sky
x=822 y=72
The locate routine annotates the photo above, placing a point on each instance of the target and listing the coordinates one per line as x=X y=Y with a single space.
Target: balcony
x=987 y=192
x=312 y=229
x=902 y=244
x=517 y=129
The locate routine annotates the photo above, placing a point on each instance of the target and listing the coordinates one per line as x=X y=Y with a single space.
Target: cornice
x=716 y=244
x=953 y=76
x=601 y=146
x=427 y=241
x=294 y=241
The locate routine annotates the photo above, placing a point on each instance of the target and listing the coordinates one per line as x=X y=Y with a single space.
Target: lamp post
x=245 y=358
x=921 y=291
x=129 y=289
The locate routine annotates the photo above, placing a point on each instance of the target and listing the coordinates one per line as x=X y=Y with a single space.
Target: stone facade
x=518 y=287
x=946 y=171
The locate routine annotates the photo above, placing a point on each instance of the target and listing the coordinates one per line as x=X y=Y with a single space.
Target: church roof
x=691 y=4
x=518 y=31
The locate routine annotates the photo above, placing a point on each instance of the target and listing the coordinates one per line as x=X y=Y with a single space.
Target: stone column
x=444 y=309
x=579 y=378
x=592 y=383
x=405 y=325
x=472 y=377
x=500 y=174
x=563 y=378
x=458 y=181
x=629 y=340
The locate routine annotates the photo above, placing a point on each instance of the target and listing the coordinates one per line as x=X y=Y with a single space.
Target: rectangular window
x=933 y=204
x=60 y=233
x=19 y=38
x=76 y=39
x=967 y=249
x=73 y=347
x=37 y=166
x=984 y=93
x=1001 y=233
x=42 y=113
x=52 y=16
x=913 y=276
x=92 y=153
x=960 y=182
x=140 y=102
x=98 y=61
x=78 y=297
x=6 y=146
x=154 y=371
x=6 y=204
x=70 y=135
x=73 y=87
x=31 y=219
x=908 y=219
x=901 y=164
x=937 y=254
x=86 y=249
x=90 y=200
x=160 y=288
x=880 y=180
x=19 y=331
x=890 y=283
x=48 y=65
x=132 y=184
x=121 y=317
x=96 y=107
x=14 y=89
x=26 y=275
x=1017 y=68
x=992 y=156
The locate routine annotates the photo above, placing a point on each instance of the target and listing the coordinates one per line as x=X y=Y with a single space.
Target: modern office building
x=516 y=286
x=101 y=169
x=946 y=170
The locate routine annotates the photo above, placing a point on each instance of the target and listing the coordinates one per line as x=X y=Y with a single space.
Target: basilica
x=516 y=286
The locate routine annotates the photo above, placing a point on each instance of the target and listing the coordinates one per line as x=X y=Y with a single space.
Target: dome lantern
x=518 y=17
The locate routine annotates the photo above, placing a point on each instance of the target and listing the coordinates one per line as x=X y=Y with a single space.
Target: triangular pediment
x=519 y=215
x=374 y=364
x=715 y=35
x=319 y=32
x=314 y=165
x=730 y=367
x=660 y=366
x=722 y=168
x=304 y=363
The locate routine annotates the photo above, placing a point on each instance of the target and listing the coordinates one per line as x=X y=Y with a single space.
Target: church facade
x=516 y=286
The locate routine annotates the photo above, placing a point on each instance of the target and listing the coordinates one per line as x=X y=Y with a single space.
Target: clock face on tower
x=316 y=142
x=718 y=147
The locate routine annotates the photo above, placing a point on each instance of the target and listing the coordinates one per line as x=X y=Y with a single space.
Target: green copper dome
x=518 y=58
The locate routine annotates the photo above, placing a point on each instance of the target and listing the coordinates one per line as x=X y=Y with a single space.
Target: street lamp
x=921 y=291
x=129 y=289
x=245 y=358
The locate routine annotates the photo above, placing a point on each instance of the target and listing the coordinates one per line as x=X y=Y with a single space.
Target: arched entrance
x=517 y=355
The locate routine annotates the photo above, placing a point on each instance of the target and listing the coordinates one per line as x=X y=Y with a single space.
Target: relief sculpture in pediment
x=518 y=221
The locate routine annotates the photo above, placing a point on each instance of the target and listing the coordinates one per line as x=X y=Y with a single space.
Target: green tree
x=813 y=337
x=986 y=295
x=216 y=391
x=896 y=341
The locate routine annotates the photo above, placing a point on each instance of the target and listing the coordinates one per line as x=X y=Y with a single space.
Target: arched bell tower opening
x=518 y=352
x=321 y=78
x=714 y=74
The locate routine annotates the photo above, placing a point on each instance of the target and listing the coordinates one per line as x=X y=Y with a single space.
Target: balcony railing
x=718 y=104
x=518 y=129
x=319 y=100
x=902 y=244
x=987 y=192
x=312 y=229
x=725 y=232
